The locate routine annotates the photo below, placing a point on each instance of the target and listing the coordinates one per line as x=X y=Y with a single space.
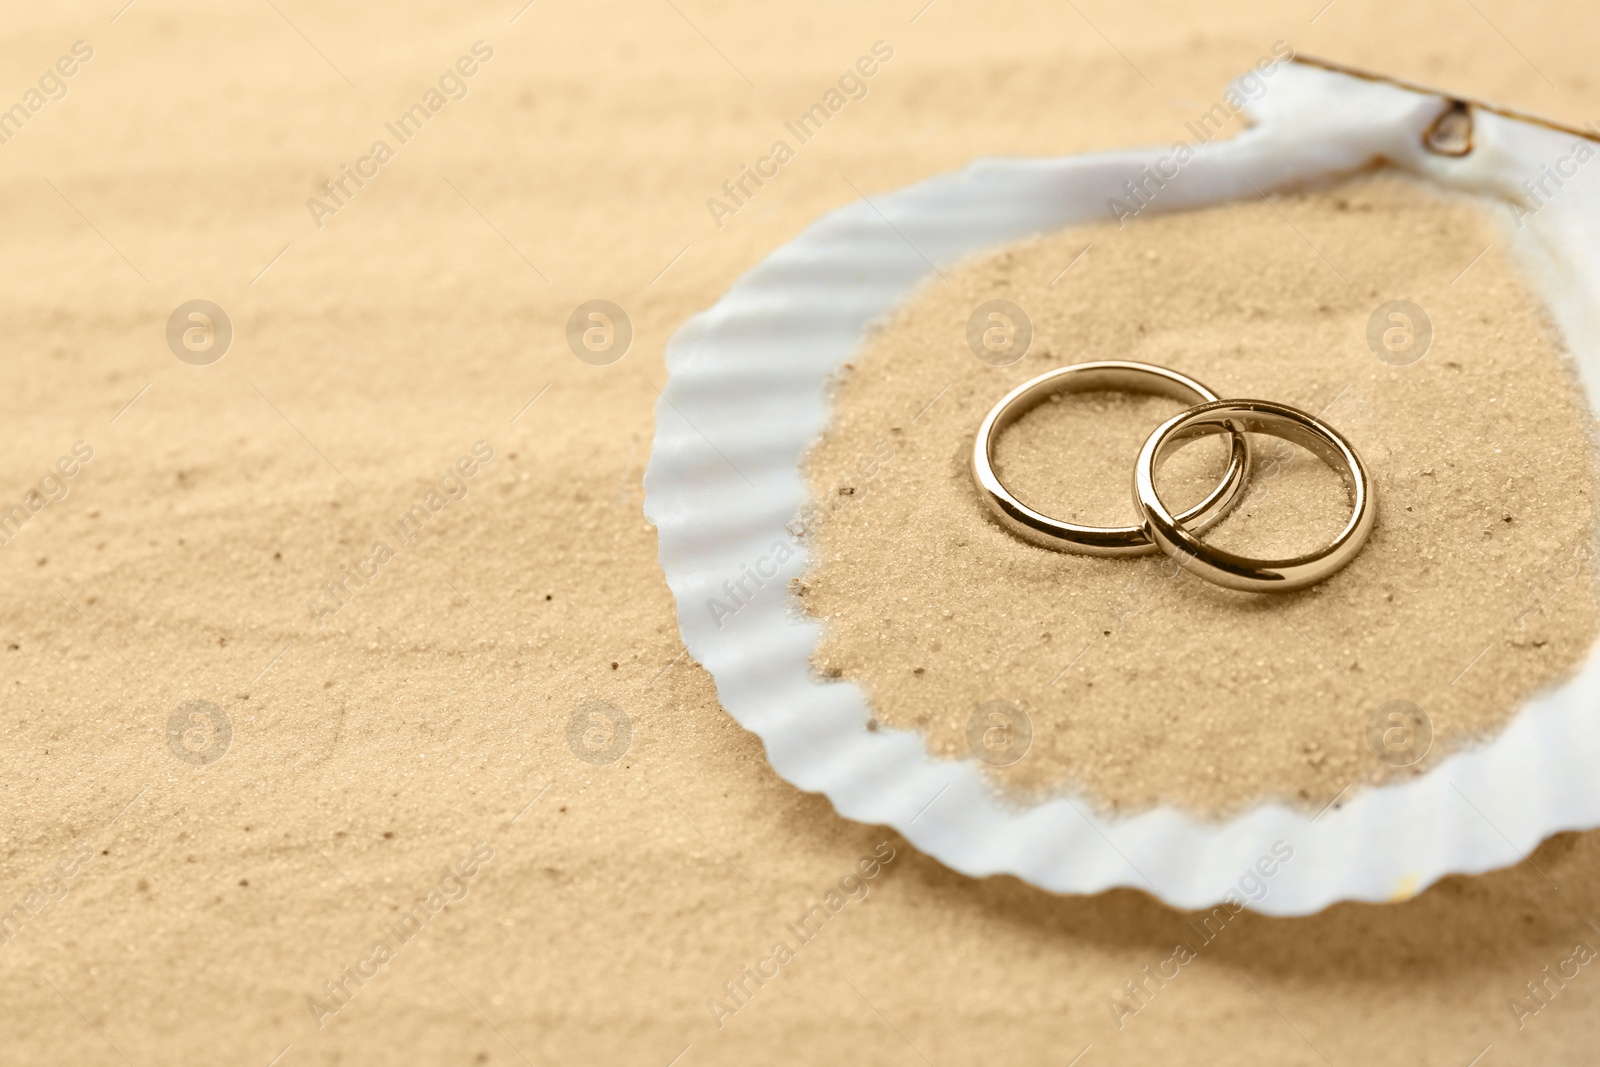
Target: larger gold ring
x=1065 y=536
x=1227 y=568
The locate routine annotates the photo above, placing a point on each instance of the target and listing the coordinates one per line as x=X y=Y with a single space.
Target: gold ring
x=1063 y=536
x=1242 y=572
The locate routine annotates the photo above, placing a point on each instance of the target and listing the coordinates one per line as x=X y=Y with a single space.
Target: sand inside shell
x=1475 y=592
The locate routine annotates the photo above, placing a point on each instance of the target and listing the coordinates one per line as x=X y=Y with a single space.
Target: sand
x=434 y=708
x=1145 y=686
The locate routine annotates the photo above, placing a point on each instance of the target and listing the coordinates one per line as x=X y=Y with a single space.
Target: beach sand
x=418 y=743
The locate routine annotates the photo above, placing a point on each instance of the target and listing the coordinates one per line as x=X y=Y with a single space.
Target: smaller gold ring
x=1065 y=536
x=1227 y=568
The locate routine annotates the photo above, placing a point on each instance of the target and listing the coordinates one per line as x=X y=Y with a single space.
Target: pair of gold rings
x=1177 y=535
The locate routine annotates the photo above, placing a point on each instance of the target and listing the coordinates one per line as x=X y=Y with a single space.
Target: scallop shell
x=747 y=397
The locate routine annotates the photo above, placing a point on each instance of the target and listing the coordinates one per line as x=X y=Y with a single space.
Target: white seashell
x=746 y=398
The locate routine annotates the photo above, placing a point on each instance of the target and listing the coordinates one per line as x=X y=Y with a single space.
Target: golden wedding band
x=1242 y=572
x=1064 y=536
